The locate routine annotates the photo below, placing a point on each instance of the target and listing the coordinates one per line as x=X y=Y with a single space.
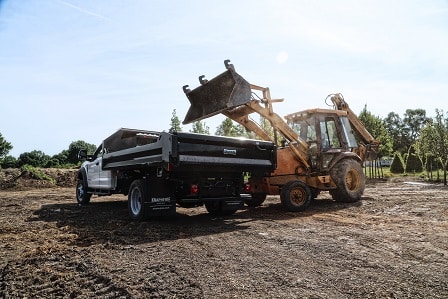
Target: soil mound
x=31 y=178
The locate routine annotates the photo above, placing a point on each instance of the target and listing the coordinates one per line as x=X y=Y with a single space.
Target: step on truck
x=159 y=171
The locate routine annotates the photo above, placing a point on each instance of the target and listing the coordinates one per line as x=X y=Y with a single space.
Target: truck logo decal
x=160 y=199
x=229 y=152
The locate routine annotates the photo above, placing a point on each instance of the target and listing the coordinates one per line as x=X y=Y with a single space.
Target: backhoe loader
x=318 y=149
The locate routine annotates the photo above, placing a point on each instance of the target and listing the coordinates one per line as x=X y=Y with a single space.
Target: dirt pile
x=30 y=178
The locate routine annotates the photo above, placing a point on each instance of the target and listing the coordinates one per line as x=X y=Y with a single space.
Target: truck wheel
x=82 y=197
x=136 y=200
x=255 y=200
x=215 y=209
x=295 y=196
x=349 y=179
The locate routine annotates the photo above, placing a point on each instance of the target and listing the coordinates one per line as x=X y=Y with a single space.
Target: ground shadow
x=109 y=222
x=274 y=210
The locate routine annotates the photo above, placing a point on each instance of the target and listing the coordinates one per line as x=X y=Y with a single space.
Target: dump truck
x=318 y=149
x=159 y=171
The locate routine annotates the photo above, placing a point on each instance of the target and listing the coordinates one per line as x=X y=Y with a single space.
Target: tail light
x=247 y=187
x=194 y=189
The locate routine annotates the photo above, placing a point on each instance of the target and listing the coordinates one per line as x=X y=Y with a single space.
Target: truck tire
x=255 y=200
x=349 y=179
x=295 y=196
x=82 y=197
x=137 y=207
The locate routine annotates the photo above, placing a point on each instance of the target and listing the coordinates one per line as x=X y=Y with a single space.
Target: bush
x=34 y=158
x=397 y=164
x=413 y=164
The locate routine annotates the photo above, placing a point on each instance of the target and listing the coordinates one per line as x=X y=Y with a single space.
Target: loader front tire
x=295 y=196
x=349 y=179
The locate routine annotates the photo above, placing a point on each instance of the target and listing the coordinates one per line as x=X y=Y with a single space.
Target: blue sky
x=79 y=70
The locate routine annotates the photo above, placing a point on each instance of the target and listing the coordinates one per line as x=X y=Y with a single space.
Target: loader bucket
x=225 y=91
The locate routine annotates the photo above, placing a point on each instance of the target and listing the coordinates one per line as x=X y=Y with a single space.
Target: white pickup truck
x=159 y=170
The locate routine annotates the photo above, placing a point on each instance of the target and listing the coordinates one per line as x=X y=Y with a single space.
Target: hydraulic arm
x=368 y=150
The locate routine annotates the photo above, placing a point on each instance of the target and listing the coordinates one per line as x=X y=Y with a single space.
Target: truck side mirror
x=82 y=155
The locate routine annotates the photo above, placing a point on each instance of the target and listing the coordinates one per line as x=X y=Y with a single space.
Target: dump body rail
x=182 y=150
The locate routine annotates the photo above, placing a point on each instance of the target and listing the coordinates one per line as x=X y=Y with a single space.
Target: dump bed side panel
x=153 y=152
x=222 y=154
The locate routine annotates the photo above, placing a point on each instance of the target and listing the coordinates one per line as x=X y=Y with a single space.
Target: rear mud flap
x=225 y=91
x=160 y=200
x=160 y=209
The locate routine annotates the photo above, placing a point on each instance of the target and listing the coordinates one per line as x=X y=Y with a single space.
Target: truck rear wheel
x=137 y=207
x=349 y=179
x=255 y=199
x=82 y=197
x=295 y=196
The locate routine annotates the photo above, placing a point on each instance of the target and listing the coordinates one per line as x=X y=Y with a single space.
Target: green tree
x=377 y=128
x=73 y=150
x=5 y=147
x=414 y=120
x=228 y=128
x=175 y=123
x=398 y=132
x=34 y=158
x=200 y=127
x=433 y=140
x=9 y=162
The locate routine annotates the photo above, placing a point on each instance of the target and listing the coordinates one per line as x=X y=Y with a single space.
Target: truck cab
x=97 y=177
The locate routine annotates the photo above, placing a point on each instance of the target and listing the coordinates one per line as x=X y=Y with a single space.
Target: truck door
x=97 y=177
x=106 y=178
x=94 y=168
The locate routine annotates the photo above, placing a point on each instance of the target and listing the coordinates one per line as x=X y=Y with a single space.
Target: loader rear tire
x=295 y=196
x=255 y=200
x=349 y=179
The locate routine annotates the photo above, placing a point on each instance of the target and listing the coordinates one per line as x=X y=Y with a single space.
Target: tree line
x=415 y=141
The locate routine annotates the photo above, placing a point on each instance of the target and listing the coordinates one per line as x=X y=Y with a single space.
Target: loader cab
x=327 y=132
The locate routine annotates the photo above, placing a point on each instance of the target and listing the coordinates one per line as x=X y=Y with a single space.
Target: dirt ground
x=391 y=244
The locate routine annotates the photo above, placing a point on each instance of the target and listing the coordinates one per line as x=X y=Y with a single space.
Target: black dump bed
x=183 y=152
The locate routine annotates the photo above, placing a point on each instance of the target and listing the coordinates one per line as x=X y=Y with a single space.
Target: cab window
x=329 y=133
